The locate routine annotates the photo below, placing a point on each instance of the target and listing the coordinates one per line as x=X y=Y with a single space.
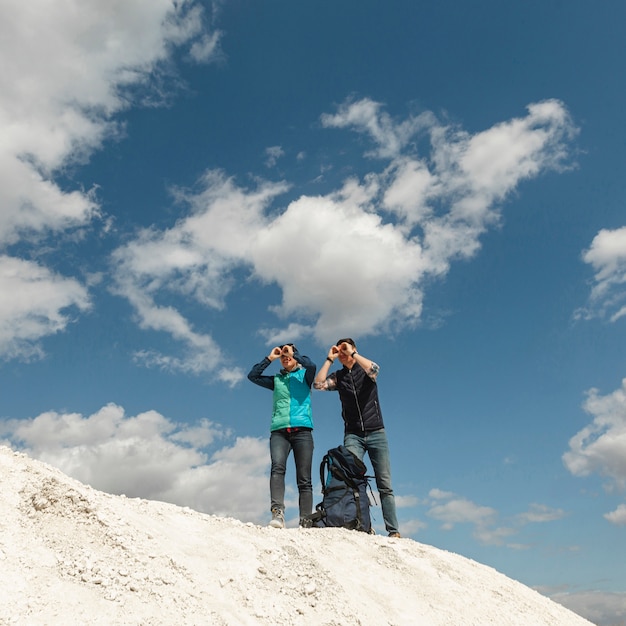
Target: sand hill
x=72 y=555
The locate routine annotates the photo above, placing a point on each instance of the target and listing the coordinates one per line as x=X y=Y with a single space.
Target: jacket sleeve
x=256 y=375
x=308 y=365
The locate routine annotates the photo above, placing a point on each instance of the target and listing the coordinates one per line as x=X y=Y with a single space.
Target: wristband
x=352 y=355
x=329 y=359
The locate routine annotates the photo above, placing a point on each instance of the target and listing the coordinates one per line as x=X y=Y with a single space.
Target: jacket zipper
x=356 y=400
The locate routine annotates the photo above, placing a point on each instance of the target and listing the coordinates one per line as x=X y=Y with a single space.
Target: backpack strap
x=313 y=518
x=359 y=516
x=324 y=465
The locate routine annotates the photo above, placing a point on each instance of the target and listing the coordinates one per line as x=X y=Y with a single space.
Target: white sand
x=72 y=555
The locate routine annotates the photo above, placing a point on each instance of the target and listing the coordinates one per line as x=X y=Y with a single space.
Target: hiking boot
x=395 y=535
x=278 y=519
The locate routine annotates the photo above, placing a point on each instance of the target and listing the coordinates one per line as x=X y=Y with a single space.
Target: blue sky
x=185 y=185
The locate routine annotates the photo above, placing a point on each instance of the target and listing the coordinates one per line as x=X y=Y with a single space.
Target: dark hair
x=293 y=345
x=347 y=340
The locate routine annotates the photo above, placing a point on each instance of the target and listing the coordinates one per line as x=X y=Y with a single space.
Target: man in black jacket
x=364 y=430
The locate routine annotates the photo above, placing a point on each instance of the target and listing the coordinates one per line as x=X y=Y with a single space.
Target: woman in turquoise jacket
x=291 y=427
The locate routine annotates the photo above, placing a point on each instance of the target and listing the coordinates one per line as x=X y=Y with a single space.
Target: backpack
x=345 y=500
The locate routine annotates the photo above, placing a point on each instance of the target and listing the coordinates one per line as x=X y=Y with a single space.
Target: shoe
x=278 y=519
x=395 y=535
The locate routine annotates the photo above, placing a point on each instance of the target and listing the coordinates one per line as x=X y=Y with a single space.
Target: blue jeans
x=375 y=444
x=281 y=444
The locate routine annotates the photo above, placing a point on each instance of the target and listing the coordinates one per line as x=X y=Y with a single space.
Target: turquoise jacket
x=292 y=392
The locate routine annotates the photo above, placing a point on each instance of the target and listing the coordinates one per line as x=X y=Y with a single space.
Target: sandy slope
x=72 y=555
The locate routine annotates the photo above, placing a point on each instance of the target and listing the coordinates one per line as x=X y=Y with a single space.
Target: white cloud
x=75 y=66
x=600 y=447
x=439 y=494
x=617 y=517
x=602 y=608
x=462 y=511
x=451 y=509
x=35 y=303
x=69 y=64
x=341 y=264
x=348 y=270
x=366 y=116
x=194 y=259
x=473 y=173
x=539 y=513
x=153 y=457
x=440 y=205
x=491 y=163
x=206 y=48
x=290 y=333
x=68 y=68
x=411 y=527
x=272 y=154
x=411 y=190
x=406 y=501
x=607 y=256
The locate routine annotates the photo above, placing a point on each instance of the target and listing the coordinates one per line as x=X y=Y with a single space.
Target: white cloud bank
x=202 y=465
x=390 y=232
x=68 y=68
x=34 y=304
x=151 y=456
x=75 y=66
x=600 y=447
x=450 y=509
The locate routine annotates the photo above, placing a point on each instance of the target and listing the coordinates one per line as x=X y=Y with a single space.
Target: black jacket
x=360 y=407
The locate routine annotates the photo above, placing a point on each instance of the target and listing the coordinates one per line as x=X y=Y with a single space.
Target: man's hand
x=275 y=353
x=288 y=350
x=333 y=353
x=347 y=348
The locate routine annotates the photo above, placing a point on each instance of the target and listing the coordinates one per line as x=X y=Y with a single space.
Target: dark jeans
x=281 y=443
x=375 y=444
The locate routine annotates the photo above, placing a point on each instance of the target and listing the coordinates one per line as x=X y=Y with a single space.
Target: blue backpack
x=345 y=500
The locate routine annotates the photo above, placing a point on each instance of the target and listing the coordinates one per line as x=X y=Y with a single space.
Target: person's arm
x=256 y=373
x=371 y=368
x=324 y=382
x=308 y=365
